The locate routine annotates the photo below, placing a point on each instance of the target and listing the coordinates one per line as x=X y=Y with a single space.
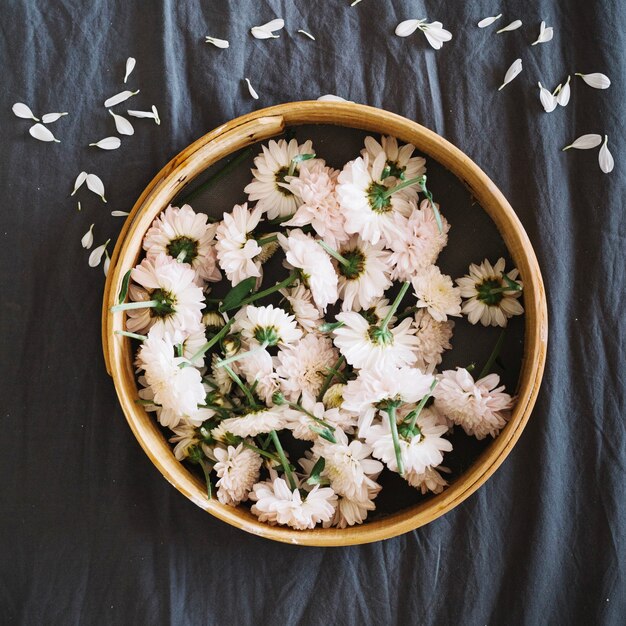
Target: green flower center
x=280 y=177
x=393 y=169
x=370 y=315
x=490 y=291
x=183 y=248
x=356 y=265
x=380 y=336
x=267 y=334
x=166 y=306
x=376 y=195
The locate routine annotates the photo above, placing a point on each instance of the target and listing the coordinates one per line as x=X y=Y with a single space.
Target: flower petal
x=119 y=97
x=488 y=21
x=130 y=66
x=87 y=240
x=306 y=34
x=605 y=158
x=261 y=33
x=275 y=24
x=408 y=27
x=585 y=142
x=48 y=118
x=119 y=213
x=545 y=34
x=563 y=95
x=108 y=143
x=107 y=263
x=39 y=131
x=218 y=43
x=22 y=110
x=253 y=93
x=145 y=114
x=157 y=119
x=511 y=73
x=548 y=101
x=329 y=97
x=512 y=26
x=596 y=80
x=96 y=255
x=95 y=184
x=122 y=125
x=80 y=179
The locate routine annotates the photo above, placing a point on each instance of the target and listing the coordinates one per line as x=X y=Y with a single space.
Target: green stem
x=218 y=175
x=297 y=407
x=241 y=355
x=211 y=342
x=142 y=304
x=241 y=385
x=334 y=254
x=418 y=409
x=407 y=313
x=125 y=333
x=207 y=477
x=266 y=240
x=262 y=294
x=264 y=453
x=493 y=356
x=391 y=414
x=283 y=460
x=338 y=363
x=395 y=305
x=403 y=185
x=433 y=206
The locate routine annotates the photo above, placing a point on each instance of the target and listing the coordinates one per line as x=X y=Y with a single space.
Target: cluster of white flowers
x=342 y=352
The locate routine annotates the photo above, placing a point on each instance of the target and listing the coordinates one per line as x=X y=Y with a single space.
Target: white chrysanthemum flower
x=366 y=278
x=418 y=452
x=185 y=436
x=436 y=293
x=258 y=369
x=315 y=186
x=237 y=252
x=192 y=343
x=276 y=503
x=347 y=464
x=173 y=285
x=174 y=387
x=419 y=243
x=306 y=424
x=304 y=253
x=238 y=469
x=368 y=212
x=428 y=480
x=303 y=366
x=359 y=342
x=266 y=324
x=256 y=422
x=354 y=511
x=481 y=408
x=300 y=305
x=269 y=187
x=399 y=160
x=433 y=336
x=186 y=236
x=490 y=302
x=365 y=394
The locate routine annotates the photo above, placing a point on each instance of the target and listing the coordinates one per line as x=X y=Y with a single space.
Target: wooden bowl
x=261 y=125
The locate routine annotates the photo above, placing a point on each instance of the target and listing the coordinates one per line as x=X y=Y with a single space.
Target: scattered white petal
x=548 y=100
x=329 y=97
x=79 y=207
x=511 y=73
x=545 y=34
x=355 y=3
x=276 y=24
x=48 y=118
x=253 y=93
x=157 y=119
x=563 y=95
x=108 y=143
x=261 y=33
x=80 y=179
x=120 y=97
x=605 y=158
x=39 y=131
x=87 y=240
x=306 y=34
x=119 y=213
x=107 y=263
x=218 y=43
x=512 y=26
x=408 y=27
x=585 y=142
x=488 y=21
x=436 y=34
x=23 y=111
x=96 y=255
x=597 y=80
x=122 y=125
x=130 y=66
x=153 y=115
x=95 y=184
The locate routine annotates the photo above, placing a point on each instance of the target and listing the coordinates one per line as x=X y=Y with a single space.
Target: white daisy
x=428 y=480
x=436 y=293
x=258 y=369
x=433 y=338
x=304 y=253
x=237 y=469
x=315 y=186
x=368 y=211
x=256 y=422
x=399 y=160
x=481 y=408
x=372 y=388
x=269 y=187
x=418 y=452
x=276 y=503
x=419 y=243
x=300 y=305
x=185 y=436
x=491 y=301
x=237 y=251
x=303 y=365
x=364 y=347
x=266 y=324
x=173 y=285
x=354 y=511
x=186 y=236
x=365 y=277
x=306 y=424
x=174 y=387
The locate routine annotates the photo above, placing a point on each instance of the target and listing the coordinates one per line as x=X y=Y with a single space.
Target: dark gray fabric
x=90 y=532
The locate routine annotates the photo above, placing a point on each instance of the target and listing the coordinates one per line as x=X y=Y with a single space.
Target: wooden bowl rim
x=261 y=125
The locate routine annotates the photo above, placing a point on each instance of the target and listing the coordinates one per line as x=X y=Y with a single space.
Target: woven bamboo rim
x=261 y=125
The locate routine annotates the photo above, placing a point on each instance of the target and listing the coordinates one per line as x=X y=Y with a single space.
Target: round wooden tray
x=261 y=125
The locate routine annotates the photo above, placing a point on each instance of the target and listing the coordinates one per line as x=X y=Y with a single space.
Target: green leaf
x=238 y=293
x=124 y=287
x=318 y=468
x=302 y=157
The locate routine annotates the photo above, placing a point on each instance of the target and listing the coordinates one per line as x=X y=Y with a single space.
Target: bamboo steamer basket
x=262 y=125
